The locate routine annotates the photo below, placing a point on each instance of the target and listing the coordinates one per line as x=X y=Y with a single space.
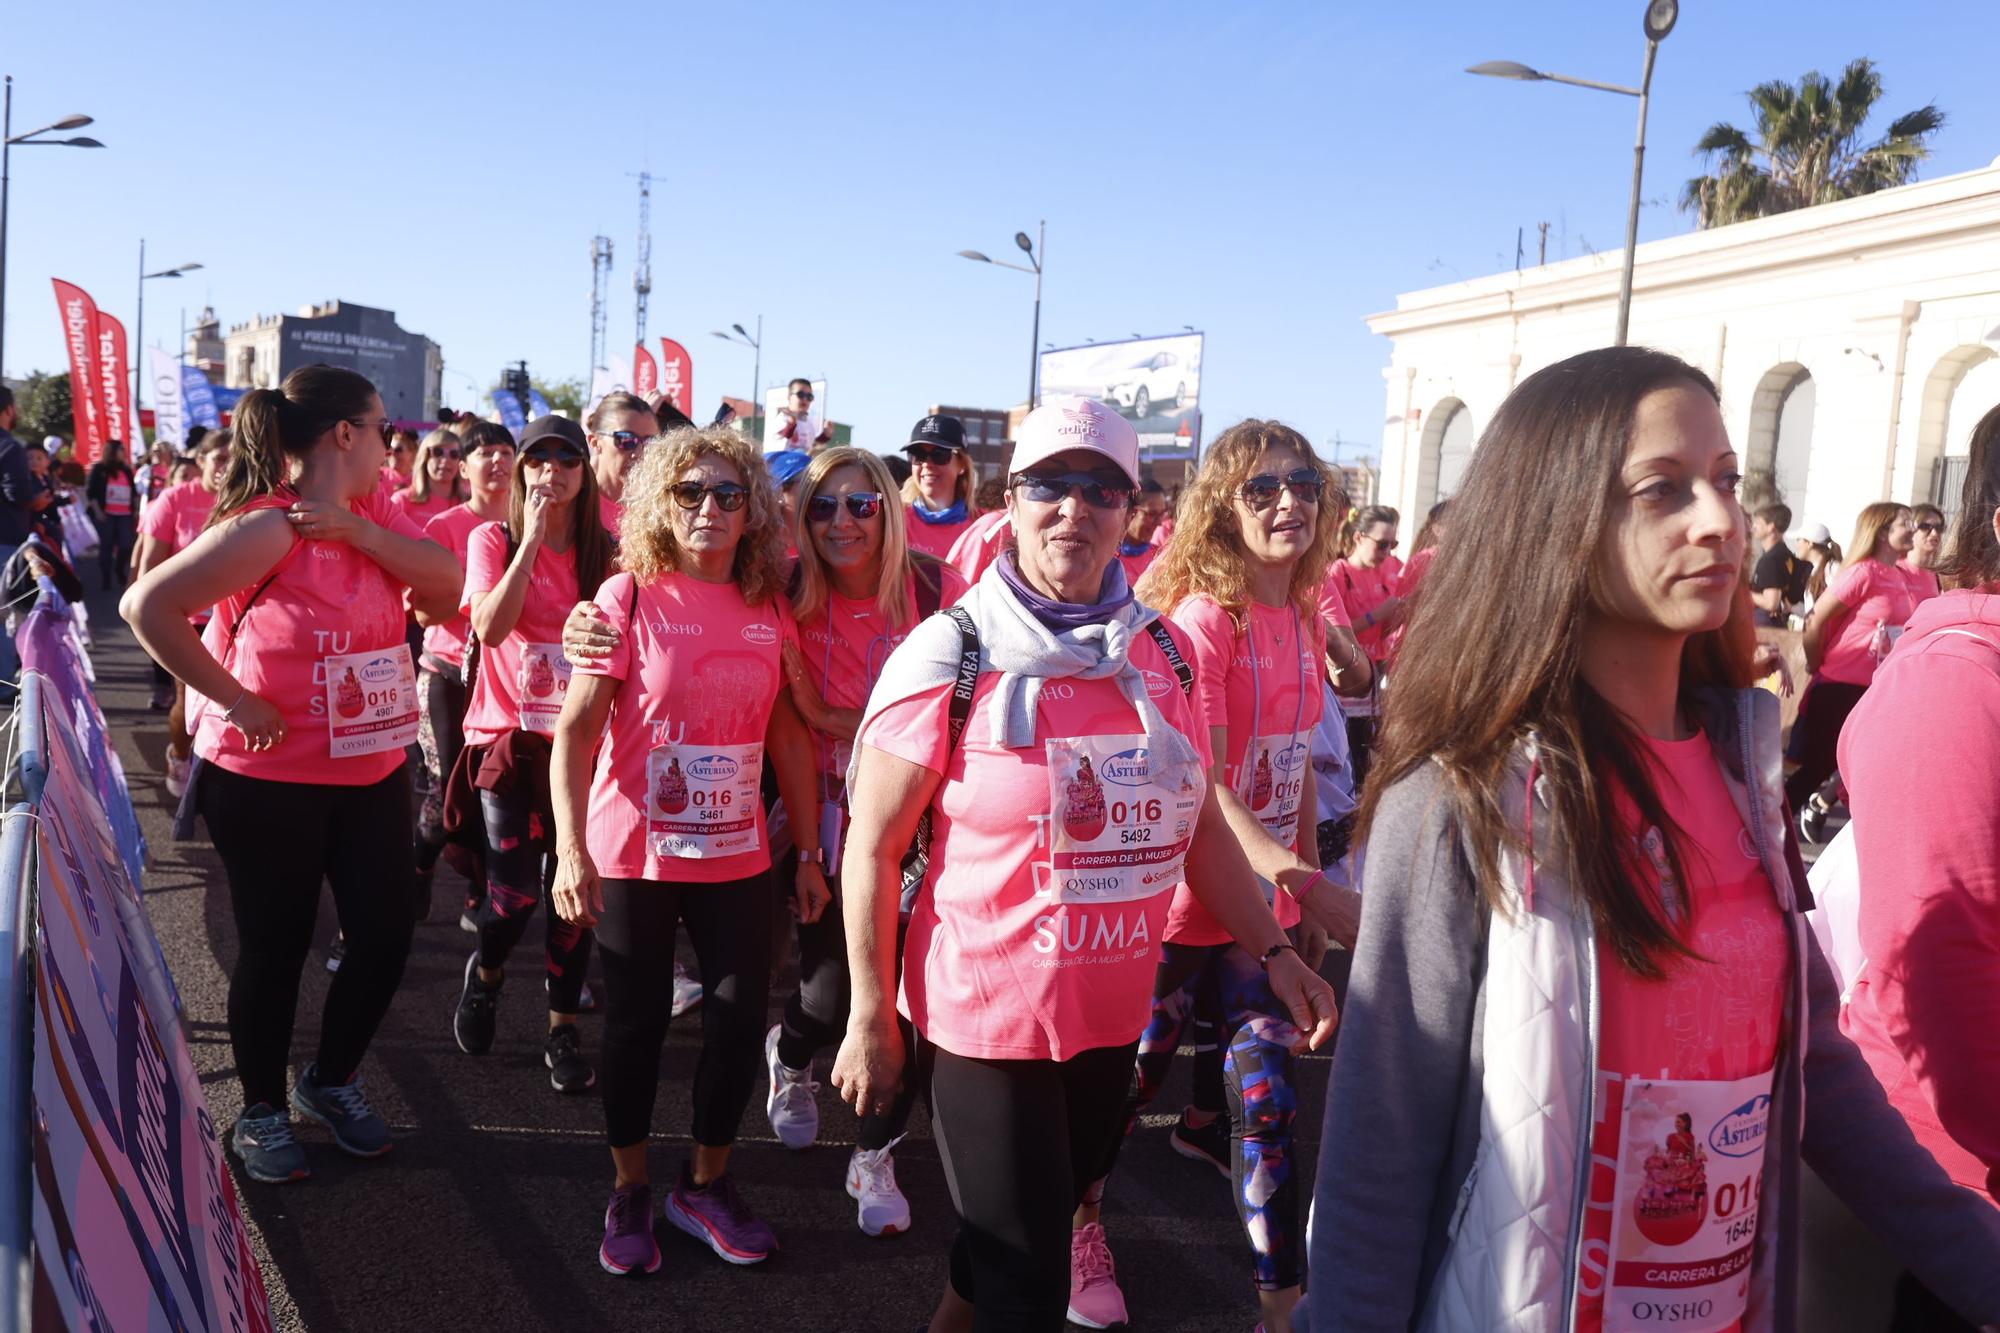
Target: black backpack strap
x=1182 y=671
x=916 y=862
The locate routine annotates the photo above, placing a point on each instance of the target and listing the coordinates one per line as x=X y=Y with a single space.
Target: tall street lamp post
x=139 y=324
x=8 y=139
x=1036 y=251
x=756 y=344
x=1659 y=21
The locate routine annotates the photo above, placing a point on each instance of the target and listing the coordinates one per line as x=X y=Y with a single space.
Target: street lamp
x=7 y=141
x=757 y=363
x=1659 y=21
x=139 y=324
x=1036 y=251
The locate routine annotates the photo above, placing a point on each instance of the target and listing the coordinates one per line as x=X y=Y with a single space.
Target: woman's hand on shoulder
x=588 y=634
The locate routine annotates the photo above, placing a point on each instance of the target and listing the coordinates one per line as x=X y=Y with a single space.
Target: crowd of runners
x=1055 y=776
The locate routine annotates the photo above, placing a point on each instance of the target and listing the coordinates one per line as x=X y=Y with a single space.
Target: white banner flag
x=169 y=421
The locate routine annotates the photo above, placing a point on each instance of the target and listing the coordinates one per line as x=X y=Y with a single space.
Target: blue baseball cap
x=786 y=465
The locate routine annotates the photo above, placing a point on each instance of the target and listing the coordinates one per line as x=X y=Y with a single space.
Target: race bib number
x=371 y=702
x=1115 y=833
x=543 y=684
x=701 y=800
x=1274 y=783
x=1684 y=1226
x=117 y=497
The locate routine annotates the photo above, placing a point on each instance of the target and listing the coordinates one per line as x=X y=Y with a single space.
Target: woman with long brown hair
x=1581 y=921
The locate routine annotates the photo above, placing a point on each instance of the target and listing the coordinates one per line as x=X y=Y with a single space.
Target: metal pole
x=1632 y=215
x=1035 y=342
x=6 y=150
x=139 y=332
x=757 y=371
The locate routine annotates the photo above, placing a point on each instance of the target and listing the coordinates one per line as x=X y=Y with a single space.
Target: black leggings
x=441 y=735
x=1816 y=736
x=816 y=1016
x=277 y=841
x=520 y=868
x=1021 y=1141
x=730 y=927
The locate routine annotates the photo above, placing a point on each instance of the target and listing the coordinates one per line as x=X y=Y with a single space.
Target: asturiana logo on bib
x=379 y=670
x=1289 y=758
x=712 y=768
x=760 y=633
x=1127 y=768
x=1741 y=1132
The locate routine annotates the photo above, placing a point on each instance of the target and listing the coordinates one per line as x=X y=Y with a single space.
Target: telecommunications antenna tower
x=642 y=269
x=600 y=281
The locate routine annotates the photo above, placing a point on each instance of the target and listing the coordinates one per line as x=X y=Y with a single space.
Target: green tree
x=46 y=408
x=565 y=396
x=1807 y=149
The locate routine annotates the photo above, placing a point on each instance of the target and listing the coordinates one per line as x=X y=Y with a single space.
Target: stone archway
x=1943 y=425
x=1779 y=449
x=1444 y=451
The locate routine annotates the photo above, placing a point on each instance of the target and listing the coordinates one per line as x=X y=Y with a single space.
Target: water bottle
x=1879 y=642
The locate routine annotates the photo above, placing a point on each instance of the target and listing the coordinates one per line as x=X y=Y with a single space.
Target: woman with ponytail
x=303 y=701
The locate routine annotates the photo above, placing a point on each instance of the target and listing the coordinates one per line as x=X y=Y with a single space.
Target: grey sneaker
x=343 y=1109
x=263 y=1142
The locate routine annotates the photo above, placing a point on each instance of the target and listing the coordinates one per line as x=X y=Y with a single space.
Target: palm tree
x=1807 y=149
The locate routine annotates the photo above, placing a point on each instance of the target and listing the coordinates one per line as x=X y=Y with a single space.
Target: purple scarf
x=1112 y=597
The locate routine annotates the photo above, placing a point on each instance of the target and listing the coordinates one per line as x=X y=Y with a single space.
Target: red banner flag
x=677 y=376
x=79 y=321
x=645 y=374
x=114 y=384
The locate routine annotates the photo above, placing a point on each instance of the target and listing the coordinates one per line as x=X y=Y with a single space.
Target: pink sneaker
x=1094 y=1298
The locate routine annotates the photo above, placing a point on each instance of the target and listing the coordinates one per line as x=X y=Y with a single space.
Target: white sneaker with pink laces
x=1094 y=1298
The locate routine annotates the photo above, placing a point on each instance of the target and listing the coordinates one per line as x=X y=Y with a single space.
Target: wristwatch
x=815 y=857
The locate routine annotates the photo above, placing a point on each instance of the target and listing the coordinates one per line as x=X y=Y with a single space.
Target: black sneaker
x=1207 y=1143
x=336 y=951
x=468 y=915
x=563 y=1054
x=1812 y=822
x=478 y=1002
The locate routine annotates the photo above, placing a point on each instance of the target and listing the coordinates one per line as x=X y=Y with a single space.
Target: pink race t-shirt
x=845 y=647
x=421 y=512
x=176 y=517
x=994 y=967
x=1923 y=581
x=324 y=599
x=1718 y=1019
x=1362 y=590
x=1136 y=565
x=1261 y=683
x=495 y=706
x=980 y=544
x=933 y=538
x=1332 y=605
x=452 y=530
x=1876 y=594
x=611 y=512
x=699 y=671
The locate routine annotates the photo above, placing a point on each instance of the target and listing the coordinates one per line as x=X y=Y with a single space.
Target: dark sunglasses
x=934 y=454
x=446 y=453
x=386 y=427
x=1386 y=543
x=626 y=440
x=803 y=395
x=729 y=496
x=553 y=458
x=861 y=504
x=1261 y=492
x=1099 y=491
x=1930 y=527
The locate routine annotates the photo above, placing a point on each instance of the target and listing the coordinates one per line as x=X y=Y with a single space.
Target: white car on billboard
x=1158 y=380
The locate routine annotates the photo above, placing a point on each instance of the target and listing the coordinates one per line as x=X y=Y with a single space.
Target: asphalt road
x=490 y=1209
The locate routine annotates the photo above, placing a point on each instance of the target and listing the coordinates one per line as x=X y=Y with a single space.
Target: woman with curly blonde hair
x=669 y=830
x=1242 y=577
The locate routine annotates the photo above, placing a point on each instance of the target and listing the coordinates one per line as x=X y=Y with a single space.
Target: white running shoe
x=871 y=1182
x=177 y=774
x=793 y=1103
x=687 y=990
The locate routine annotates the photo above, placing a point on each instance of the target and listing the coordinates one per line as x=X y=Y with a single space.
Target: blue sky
x=1267 y=173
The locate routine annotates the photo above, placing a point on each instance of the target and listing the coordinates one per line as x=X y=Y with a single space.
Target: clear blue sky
x=1267 y=173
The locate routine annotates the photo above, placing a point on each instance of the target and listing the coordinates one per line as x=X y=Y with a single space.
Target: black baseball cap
x=567 y=434
x=939 y=431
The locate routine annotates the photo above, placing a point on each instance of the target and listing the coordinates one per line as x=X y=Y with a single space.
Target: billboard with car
x=1154 y=382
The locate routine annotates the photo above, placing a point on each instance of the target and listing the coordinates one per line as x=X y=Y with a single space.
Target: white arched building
x=1855 y=345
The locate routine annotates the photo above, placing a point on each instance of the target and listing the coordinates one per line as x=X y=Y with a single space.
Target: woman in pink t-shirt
x=436 y=480
x=170 y=524
x=1588 y=1041
x=522 y=577
x=858 y=592
x=307 y=701
x=943 y=481
x=1260 y=522
x=1926 y=551
x=1365 y=579
x=489 y=468
x=670 y=830
x=1853 y=625
x=1061 y=796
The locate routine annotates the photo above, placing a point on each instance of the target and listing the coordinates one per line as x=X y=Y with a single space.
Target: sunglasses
x=1099 y=491
x=861 y=504
x=1930 y=527
x=626 y=440
x=446 y=453
x=1386 y=543
x=386 y=427
x=1261 y=492
x=937 y=455
x=729 y=496
x=552 y=458
x=803 y=395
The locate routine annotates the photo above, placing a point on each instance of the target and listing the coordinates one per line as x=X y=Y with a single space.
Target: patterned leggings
x=1258 y=1072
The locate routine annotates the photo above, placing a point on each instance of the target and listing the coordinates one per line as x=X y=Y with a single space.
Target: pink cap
x=1063 y=424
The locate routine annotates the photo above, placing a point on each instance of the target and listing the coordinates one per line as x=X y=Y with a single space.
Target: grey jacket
x=1411 y=1092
